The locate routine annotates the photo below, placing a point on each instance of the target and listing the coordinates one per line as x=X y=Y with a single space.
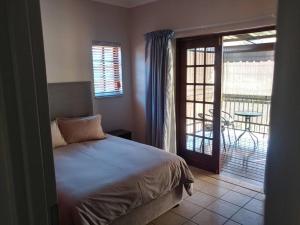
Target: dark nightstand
x=121 y=133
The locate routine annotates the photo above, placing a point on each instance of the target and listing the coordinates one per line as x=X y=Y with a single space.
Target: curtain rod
x=270 y=16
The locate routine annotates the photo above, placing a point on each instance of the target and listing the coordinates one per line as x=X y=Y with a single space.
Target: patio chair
x=227 y=121
x=209 y=128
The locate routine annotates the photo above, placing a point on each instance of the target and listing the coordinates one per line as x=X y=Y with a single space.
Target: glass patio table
x=248 y=115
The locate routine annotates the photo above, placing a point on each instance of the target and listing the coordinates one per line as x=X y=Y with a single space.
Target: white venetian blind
x=107 y=70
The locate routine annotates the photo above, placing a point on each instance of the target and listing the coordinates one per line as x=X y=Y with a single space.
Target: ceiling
x=126 y=3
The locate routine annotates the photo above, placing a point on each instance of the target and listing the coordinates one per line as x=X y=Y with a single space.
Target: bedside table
x=121 y=133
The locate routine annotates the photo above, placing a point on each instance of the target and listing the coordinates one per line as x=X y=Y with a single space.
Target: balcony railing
x=232 y=103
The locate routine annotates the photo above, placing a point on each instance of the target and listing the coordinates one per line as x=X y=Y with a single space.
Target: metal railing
x=232 y=103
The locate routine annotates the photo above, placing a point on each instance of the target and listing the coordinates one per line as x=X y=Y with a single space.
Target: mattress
x=100 y=181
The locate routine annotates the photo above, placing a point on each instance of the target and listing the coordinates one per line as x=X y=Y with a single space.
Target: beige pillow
x=81 y=129
x=57 y=138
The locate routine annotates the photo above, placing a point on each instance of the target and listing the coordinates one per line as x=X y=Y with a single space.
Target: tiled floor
x=216 y=202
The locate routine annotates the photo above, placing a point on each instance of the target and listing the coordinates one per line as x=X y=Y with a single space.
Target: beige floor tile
x=260 y=197
x=169 y=218
x=230 y=222
x=206 y=217
x=246 y=217
x=239 y=181
x=201 y=199
x=236 y=198
x=256 y=206
x=199 y=172
x=199 y=182
x=227 y=185
x=223 y=208
x=187 y=209
x=245 y=191
x=226 y=178
x=189 y=223
x=211 y=189
x=206 y=192
x=253 y=185
x=185 y=194
x=219 y=182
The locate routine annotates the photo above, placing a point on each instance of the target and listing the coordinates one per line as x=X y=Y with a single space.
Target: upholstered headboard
x=72 y=99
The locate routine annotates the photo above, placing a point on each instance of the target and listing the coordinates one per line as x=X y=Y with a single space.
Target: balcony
x=242 y=160
x=232 y=103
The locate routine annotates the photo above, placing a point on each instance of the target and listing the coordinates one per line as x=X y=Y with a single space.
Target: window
x=107 y=69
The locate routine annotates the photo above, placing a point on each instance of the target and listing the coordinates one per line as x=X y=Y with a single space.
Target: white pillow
x=57 y=138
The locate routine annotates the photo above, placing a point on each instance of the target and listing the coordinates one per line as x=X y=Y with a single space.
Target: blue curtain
x=157 y=62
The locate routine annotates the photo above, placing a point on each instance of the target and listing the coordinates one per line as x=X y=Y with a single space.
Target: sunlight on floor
x=243 y=161
x=216 y=202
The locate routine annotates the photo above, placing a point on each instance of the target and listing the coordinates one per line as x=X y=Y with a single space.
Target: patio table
x=248 y=115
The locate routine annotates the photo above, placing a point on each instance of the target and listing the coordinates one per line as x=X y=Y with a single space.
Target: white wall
x=181 y=15
x=69 y=27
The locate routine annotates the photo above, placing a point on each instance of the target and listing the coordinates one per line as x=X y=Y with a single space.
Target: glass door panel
x=200 y=92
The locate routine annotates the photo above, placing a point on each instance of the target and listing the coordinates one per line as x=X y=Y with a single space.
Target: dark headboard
x=72 y=99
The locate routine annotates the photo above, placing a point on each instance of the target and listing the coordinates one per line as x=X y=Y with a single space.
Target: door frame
x=27 y=187
x=179 y=83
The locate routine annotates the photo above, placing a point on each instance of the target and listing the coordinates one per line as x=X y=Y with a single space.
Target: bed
x=111 y=181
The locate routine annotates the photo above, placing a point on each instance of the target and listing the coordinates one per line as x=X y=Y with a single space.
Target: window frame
x=108 y=44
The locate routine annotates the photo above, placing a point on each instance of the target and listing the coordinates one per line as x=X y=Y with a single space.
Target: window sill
x=108 y=96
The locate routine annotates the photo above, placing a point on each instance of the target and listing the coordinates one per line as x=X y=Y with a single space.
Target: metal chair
x=227 y=121
x=209 y=128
